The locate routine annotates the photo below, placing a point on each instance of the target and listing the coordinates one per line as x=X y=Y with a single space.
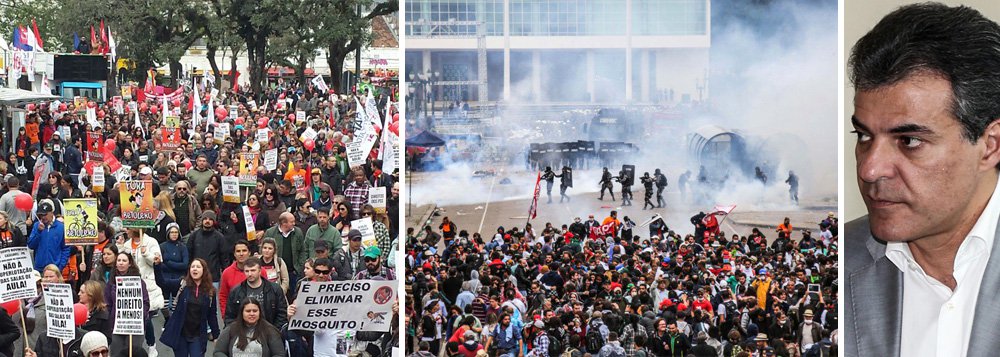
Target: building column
x=644 y=74
x=426 y=62
x=536 y=75
x=506 y=50
x=590 y=76
x=628 y=51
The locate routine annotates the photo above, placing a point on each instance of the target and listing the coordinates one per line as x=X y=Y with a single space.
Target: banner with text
x=59 y=311
x=358 y=305
x=80 y=218
x=17 y=279
x=128 y=306
x=137 y=204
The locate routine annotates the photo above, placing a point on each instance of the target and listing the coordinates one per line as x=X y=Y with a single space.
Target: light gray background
x=859 y=17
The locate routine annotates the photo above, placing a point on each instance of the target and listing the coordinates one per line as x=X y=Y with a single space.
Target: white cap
x=146 y=171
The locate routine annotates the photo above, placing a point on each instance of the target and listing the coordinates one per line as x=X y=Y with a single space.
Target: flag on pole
x=38 y=36
x=164 y=111
x=112 y=46
x=195 y=108
x=93 y=40
x=533 y=210
x=104 y=39
x=76 y=42
x=320 y=83
x=138 y=123
x=211 y=113
x=371 y=110
x=150 y=75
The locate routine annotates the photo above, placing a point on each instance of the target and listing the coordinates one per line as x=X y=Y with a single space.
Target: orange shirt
x=32 y=130
x=297 y=178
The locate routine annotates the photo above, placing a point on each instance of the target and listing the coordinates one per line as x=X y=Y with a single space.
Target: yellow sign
x=173 y=121
x=80 y=217
x=248 y=168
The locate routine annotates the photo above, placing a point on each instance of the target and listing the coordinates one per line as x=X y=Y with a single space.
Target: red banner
x=602 y=231
x=533 y=211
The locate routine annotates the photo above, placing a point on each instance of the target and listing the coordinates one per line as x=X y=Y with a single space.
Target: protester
x=272 y=302
x=92 y=296
x=273 y=268
x=125 y=266
x=249 y=334
x=195 y=313
x=234 y=274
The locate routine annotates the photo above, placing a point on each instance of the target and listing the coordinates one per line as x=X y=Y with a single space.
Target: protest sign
x=123 y=173
x=97 y=179
x=367 y=230
x=248 y=222
x=95 y=146
x=66 y=132
x=248 y=168
x=127 y=92
x=308 y=134
x=172 y=121
x=358 y=305
x=355 y=155
x=221 y=132
x=59 y=311
x=300 y=116
x=171 y=139
x=377 y=198
x=16 y=274
x=80 y=218
x=137 y=204
x=128 y=306
x=271 y=159
x=92 y=117
x=233 y=113
x=79 y=102
x=263 y=135
x=231 y=189
x=118 y=104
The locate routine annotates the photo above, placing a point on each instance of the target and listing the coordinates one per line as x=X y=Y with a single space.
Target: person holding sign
x=92 y=296
x=125 y=266
x=47 y=238
x=250 y=335
x=195 y=312
x=146 y=253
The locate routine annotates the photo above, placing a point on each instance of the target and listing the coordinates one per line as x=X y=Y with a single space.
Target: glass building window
x=669 y=17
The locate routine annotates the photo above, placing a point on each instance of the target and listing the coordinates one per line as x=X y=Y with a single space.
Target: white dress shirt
x=936 y=320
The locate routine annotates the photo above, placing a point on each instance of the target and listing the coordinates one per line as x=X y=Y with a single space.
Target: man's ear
x=991 y=156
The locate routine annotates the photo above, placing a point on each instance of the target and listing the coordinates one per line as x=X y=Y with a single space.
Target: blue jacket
x=172 y=332
x=175 y=259
x=49 y=245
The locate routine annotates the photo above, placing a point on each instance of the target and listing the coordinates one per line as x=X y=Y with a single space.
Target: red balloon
x=291 y=117
x=92 y=104
x=62 y=107
x=31 y=107
x=238 y=121
x=221 y=112
x=281 y=96
x=262 y=123
x=395 y=117
x=12 y=306
x=143 y=106
x=80 y=314
x=100 y=114
x=109 y=145
x=24 y=202
x=177 y=102
x=309 y=144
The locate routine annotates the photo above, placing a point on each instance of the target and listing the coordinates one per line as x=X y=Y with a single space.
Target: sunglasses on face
x=180 y=189
x=369 y=260
x=321 y=271
x=366 y=214
x=103 y=352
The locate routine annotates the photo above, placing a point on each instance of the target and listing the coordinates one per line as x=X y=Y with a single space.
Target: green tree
x=343 y=31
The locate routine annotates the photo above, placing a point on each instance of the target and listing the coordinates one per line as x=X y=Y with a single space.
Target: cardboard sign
x=129 y=317
x=80 y=219
x=248 y=169
x=248 y=222
x=66 y=133
x=123 y=173
x=355 y=154
x=271 y=159
x=263 y=134
x=358 y=305
x=59 y=311
x=79 y=102
x=118 y=104
x=231 y=189
x=16 y=274
x=97 y=179
x=233 y=113
x=221 y=133
x=172 y=121
x=377 y=198
x=171 y=139
x=137 y=204
x=300 y=115
x=308 y=134
x=367 y=230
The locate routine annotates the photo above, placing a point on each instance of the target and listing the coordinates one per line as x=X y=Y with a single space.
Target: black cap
x=45 y=206
x=321 y=245
x=354 y=234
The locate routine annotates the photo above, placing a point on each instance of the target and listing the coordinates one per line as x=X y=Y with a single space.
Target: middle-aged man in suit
x=921 y=279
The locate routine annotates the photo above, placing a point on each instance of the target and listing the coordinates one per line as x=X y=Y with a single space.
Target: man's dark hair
x=242 y=242
x=957 y=44
x=324 y=262
x=252 y=262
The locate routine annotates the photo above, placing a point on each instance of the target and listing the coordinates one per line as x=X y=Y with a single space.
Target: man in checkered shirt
x=357 y=192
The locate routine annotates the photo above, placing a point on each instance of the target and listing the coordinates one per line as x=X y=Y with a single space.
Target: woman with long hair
x=10 y=236
x=102 y=271
x=92 y=296
x=273 y=206
x=250 y=335
x=272 y=267
x=260 y=221
x=194 y=313
x=124 y=266
x=166 y=204
x=174 y=264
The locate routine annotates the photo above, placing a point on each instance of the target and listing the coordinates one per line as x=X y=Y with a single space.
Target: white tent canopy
x=13 y=96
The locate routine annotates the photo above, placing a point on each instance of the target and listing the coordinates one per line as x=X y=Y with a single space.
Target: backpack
x=594 y=339
x=555 y=345
x=662 y=181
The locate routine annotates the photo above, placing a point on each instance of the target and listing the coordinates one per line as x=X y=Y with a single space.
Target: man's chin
x=890 y=228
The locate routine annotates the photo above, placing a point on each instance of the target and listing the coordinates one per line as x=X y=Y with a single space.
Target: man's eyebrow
x=900 y=129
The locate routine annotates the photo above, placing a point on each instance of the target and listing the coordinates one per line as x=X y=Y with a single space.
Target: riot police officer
x=623 y=179
x=606 y=184
x=565 y=182
x=549 y=178
x=661 y=184
x=647 y=181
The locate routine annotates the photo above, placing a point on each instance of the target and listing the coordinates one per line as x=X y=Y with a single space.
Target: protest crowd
x=205 y=210
x=613 y=288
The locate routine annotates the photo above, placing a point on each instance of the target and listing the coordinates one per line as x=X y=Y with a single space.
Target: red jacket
x=231 y=277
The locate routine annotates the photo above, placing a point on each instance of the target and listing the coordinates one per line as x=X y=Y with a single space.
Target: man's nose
x=876 y=160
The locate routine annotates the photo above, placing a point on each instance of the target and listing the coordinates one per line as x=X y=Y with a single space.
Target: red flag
x=236 y=81
x=533 y=211
x=38 y=35
x=93 y=38
x=104 y=39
